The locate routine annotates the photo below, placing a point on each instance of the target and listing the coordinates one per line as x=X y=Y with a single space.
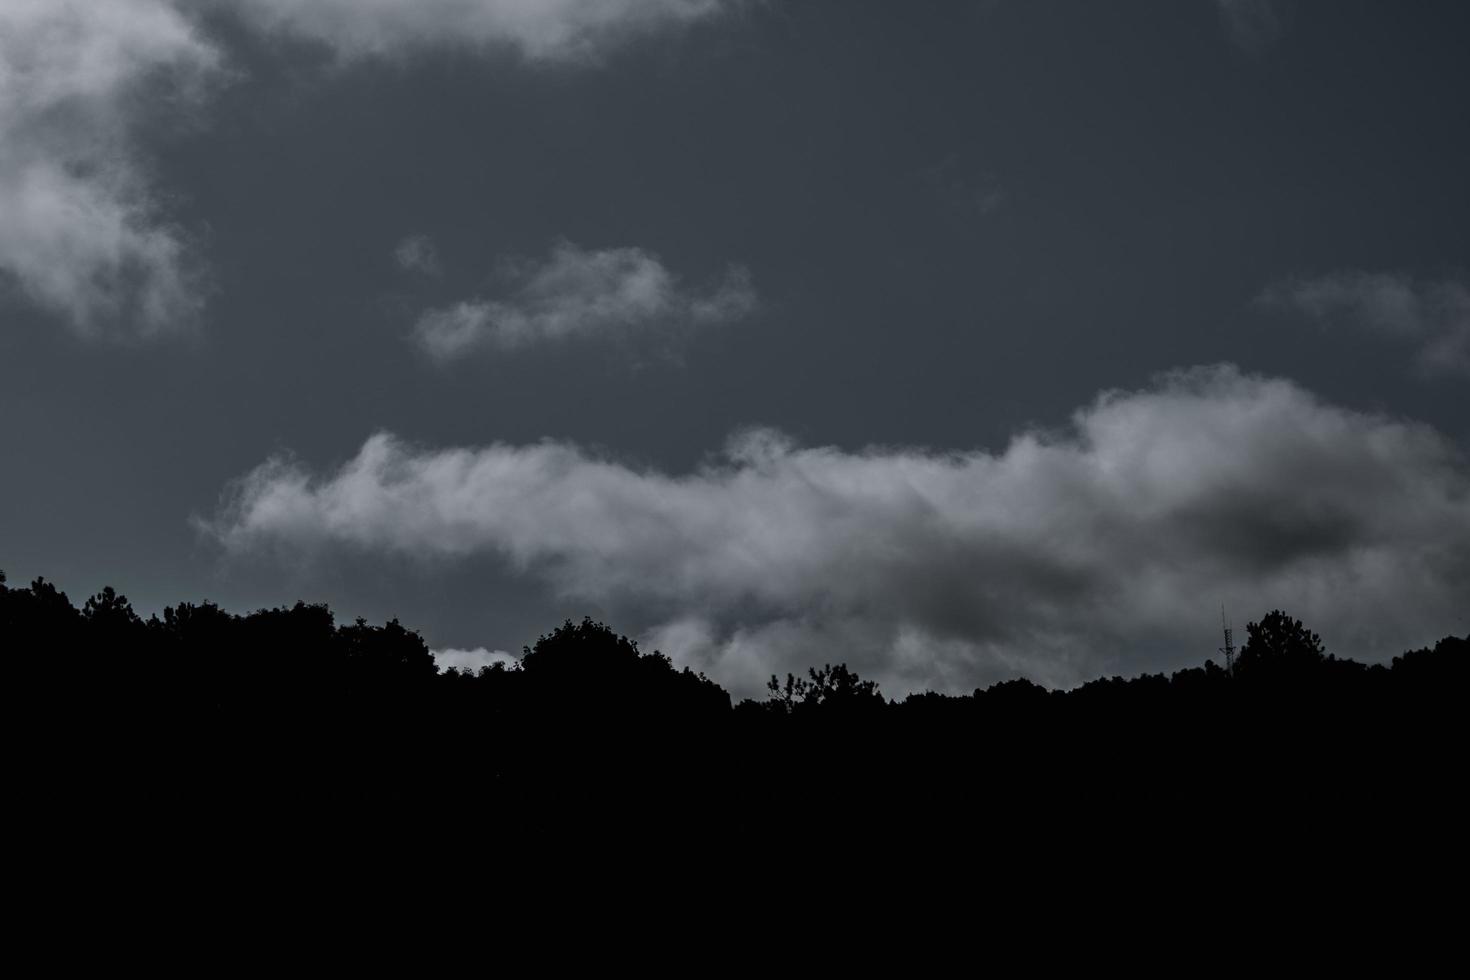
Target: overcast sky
x=957 y=341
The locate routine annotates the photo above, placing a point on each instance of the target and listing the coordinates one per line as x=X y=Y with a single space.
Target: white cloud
x=1108 y=546
x=417 y=253
x=580 y=292
x=544 y=30
x=470 y=661
x=1434 y=316
x=82 y=231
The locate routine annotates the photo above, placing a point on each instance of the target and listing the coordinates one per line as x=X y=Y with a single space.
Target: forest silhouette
x=292 y=692
x=223 y=757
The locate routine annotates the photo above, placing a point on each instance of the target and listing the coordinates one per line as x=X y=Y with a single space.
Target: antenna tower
x=1229 y=648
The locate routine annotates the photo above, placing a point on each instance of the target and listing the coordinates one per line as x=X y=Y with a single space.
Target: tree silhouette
x=832 y=688
x=1279 y=647
x=289 y=692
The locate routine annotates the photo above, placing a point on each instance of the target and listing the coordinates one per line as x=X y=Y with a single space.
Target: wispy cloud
x=963 y=190
x=83 y=231
x=541 y=30
x=1107 y=546
x=1432 y=316
x=578 y=292
x=1253 y=25
x=417 y=253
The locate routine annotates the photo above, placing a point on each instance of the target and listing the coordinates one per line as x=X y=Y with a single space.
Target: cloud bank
x=1108 y=546
x=83 y=232
x=1433 y=316
x=540 y=30
x=577 y=292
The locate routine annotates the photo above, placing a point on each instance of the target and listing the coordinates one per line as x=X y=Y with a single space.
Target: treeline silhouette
x=224 y=757
x=293 y=685
x=212 y=749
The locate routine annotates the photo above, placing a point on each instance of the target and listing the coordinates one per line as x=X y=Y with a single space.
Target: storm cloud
x=1108 y=545
x=578 y=292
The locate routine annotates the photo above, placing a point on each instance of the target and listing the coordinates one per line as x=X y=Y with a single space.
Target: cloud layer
x=1433 y=316
x=577 y=292
x=543 y=30
x=82 y=230
x=1108 y=546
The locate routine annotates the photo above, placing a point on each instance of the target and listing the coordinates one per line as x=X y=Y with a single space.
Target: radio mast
x=1229 y=648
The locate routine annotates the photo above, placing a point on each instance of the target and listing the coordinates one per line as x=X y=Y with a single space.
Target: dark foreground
x=206 y=757
x=288 y=694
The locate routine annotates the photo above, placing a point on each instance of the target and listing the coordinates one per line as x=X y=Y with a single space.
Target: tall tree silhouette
x=1280 y=647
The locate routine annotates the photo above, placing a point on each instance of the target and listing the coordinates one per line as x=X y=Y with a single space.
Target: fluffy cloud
x=579 y=292
x=545 y=30
x=1433 y=316
x=1108 y=546
x=82 y=231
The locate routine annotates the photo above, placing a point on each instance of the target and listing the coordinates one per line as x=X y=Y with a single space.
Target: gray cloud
x=1108 y=545
x=82 y=231
x=578 y=292
x=1254 y=25
x=470 y=661
x=1433 y=316
x=543 y=30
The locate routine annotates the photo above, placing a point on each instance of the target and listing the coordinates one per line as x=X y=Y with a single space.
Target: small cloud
x=578 y=292
x=417 y=253
x=1433 y=316
x=470 y=661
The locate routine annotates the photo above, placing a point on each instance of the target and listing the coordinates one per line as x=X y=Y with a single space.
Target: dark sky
x=564 y=258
